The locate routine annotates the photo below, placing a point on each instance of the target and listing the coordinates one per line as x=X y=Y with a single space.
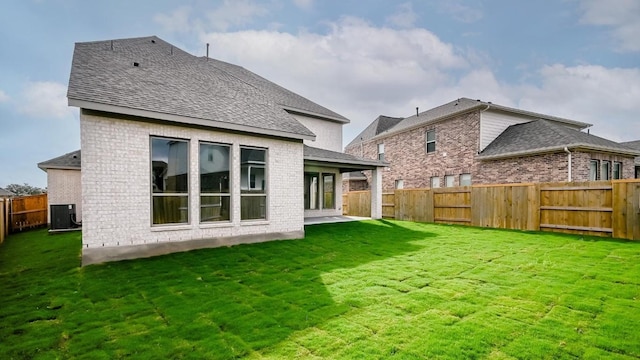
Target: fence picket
x=602 y=208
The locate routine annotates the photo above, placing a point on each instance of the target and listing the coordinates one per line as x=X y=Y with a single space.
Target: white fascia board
x=83 y=104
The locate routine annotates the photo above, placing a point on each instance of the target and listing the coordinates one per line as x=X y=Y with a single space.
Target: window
x=431 y=141
x=311 y=185
x=328 y=181
x=435 y=182
x=593 y=170
x=169 y=181
x=253 y=183
x=399 y=184
x=465 y=179
x=449 y=180
x=381 y=152
x=617 y=170
x=606 y=170
x=215 y=194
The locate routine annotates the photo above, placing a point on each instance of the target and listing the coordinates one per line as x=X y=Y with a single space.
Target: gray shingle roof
x=168 y=83
x=381 y=124
x=634 y=145
x=5 y=193
x=541 y=136
x=69 y=161
x=463 y=105
x=338 y=158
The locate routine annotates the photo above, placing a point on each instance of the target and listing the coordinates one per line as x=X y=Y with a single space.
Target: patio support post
x=376 y=193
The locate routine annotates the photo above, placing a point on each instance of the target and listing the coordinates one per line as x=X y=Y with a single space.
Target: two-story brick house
x=469 y=141
x=182 y=152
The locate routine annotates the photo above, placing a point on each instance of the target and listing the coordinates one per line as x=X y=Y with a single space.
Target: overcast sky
x=578 y=59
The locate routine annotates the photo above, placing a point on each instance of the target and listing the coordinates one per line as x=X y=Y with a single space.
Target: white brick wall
x=63 y=187
x=117 y=191
x=328 y=133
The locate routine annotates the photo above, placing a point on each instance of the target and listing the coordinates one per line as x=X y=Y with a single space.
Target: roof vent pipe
x=417 y=113
x=207 y=51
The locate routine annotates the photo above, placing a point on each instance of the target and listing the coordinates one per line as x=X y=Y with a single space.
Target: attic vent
x=136 y=64
x=153 y=41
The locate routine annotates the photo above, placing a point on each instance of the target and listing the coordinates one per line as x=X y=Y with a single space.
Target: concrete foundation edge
x=127 y=252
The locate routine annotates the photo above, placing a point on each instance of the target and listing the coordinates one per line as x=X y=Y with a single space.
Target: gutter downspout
x=568 y=163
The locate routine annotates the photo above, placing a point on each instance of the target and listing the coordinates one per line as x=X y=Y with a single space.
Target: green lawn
x=376 y=289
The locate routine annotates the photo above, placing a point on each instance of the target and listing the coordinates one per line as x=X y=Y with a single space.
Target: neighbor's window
x=449 y=180
x=399 y=184
x=435 y=182
x=328 y=186
x=593 y=170
x=169 y=181
x=311 y=186
x=381 y=152
x=253 y=183
x=617 y=170
x=431 y=141
x=606 y=170
x=465 y=179
x=215 y=193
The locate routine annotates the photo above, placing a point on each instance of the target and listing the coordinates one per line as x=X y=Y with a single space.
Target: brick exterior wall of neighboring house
x=116 y=186
x=457 y=142
x=536 y=168
x=63 y=187
x=456 y=147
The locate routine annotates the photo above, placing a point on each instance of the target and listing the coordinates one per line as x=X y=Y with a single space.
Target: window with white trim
x=431 y=141
x=381 y=152
x=593 y=170
x=435 y=182
x=449 y=180
x=215 y=192
x=465 y=179
x=253 y=183
x=169 y=181
x=605 y=173
x=617 y=170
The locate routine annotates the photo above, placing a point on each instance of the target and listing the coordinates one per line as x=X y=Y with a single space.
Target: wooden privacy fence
x=603 y=208
x=4 y=219
x=26 y=212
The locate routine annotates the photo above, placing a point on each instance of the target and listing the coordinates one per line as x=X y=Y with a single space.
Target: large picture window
x=215 y=193
x=311 y=192
x=328 y=185
x=253 y=183
x=169 y=181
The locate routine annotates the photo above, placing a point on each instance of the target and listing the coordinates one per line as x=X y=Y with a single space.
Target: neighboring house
x=6 y=193
x=469 y=141
x=63 y=182
x=183 y=152
x=636 y=146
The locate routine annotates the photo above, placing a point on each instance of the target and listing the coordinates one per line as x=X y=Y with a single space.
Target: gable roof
x=541 y=136
x=69 y=161
x=379 y=125
x=6 y=193
x=151 y=78
x=463 y=105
